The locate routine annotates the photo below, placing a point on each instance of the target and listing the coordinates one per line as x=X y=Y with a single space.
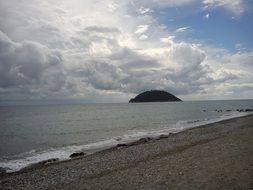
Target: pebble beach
x=213 y=156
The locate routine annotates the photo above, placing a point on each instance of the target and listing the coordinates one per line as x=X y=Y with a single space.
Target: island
x=154 y=96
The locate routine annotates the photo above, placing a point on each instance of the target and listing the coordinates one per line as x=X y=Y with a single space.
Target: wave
x=32 y=157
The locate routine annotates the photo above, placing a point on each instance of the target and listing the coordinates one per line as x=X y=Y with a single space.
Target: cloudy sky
x=110 y=50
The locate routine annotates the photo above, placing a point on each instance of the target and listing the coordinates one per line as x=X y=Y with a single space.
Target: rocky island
x=154 y=96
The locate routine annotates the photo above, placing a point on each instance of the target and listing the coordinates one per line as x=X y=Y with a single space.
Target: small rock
x=163 y=136
x=145 y=139
x=77 y=154
x=172 y=134
x=121 y=145
x=49 y=161
x=2 y=170
x=40 y=164
x=141 y=141
x=248 y=110
x=118 y=138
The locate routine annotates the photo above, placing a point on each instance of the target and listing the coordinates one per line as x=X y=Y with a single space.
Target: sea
x=30 y=134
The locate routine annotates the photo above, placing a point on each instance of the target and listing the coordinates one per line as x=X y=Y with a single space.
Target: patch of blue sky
x=220 y=29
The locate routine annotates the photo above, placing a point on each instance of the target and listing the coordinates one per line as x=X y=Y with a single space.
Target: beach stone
x=118 y=139
x=77 y=154
x=2 y=170
x=40 y=164
x=121 y=145
x=248 y=110
x=163 y=136
x=49 y=161
x=141 y=141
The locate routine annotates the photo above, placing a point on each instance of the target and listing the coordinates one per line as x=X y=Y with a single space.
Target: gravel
x=214 y=156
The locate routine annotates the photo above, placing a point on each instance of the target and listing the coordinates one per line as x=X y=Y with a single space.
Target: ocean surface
x=29 y=134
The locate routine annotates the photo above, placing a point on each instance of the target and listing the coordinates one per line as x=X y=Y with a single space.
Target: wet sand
x=214 y=156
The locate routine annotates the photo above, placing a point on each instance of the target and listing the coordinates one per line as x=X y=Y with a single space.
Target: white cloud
x=240 y=47
x=112 y=6
x=144 y=10
x=168 y=40
x=141 y=29
x=207 y=16
x=182 y=29
x=143 y=37
x=164 y=3
x=234 y=69
x=237 y=7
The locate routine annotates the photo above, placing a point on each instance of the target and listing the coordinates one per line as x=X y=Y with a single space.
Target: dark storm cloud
x=29 y=65
x=103 y=76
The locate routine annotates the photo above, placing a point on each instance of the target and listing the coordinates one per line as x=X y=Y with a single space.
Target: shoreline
x=141 y=140
x=155 y=135
x=118 y=159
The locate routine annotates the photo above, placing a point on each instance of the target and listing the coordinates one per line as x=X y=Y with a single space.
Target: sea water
x=29 y=134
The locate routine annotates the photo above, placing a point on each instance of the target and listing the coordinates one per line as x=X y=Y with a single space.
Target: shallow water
x=29 y=134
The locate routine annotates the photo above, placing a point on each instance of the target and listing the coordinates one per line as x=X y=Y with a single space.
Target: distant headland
x=154 y=96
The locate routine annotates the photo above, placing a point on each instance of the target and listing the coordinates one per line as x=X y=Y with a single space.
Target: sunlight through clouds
x=83 y=49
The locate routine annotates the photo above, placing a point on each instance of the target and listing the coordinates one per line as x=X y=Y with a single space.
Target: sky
x=111 y=50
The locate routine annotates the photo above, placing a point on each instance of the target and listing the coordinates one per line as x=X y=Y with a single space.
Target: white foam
x=182 y=125
x=63 y=153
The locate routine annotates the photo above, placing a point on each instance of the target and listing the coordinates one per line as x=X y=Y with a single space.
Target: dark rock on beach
x=77 y=154
x=163 y=136
x=40 y=164
x=49 y=161
x=154 y=96
x=121 y=145
x=2 y=171
x=238 y=110
x=140 y=141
